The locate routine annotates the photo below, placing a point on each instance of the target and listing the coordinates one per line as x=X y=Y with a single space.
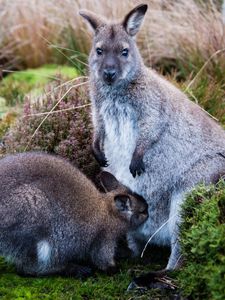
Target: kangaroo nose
x=109 y=75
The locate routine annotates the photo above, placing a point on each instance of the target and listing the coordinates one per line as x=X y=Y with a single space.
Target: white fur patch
x=43 y=251
x=121 y=134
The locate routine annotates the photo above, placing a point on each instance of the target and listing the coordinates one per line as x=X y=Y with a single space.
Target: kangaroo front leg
x=97 y=150
x=137 y=166
x=151 y=130
x=175 y=260
x=98 y=140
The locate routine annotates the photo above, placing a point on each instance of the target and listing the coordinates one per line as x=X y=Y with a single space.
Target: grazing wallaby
x=53 y=219
x=148 y=134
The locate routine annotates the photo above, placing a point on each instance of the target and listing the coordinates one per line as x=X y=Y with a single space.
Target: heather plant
x=66 y=130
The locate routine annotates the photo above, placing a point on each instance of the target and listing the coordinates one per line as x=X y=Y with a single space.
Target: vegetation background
x=44 y=105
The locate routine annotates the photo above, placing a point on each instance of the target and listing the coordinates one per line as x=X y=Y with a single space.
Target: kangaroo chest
x=120 y=124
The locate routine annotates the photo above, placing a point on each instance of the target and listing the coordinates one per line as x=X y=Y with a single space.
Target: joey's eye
x=125 y=52
x=99 y=51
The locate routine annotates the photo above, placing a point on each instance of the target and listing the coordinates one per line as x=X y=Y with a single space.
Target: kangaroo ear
x=123 y=203
x=108 y=181
x=94 y=20
x=133 y=20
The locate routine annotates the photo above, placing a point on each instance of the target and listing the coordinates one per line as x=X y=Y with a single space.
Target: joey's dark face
x=113 y=55
x=139 y=209
x=132 y=207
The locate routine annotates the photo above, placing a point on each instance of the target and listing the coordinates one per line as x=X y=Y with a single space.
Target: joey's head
x=114 y=57
x=129 y=206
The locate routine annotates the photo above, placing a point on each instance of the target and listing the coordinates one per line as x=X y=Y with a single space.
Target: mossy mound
x=98 y=287
x=16 y=85
x=203 y=243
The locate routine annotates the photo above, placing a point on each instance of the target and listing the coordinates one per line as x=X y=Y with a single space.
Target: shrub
x=203 y=243
x=6 y=122
x=66 y=131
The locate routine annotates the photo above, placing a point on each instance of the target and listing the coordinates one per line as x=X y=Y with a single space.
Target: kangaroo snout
x=109 y=75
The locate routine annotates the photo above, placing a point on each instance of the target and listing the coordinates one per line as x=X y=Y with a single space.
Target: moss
x=16 y=85
x=203 y=243
x=100 y=286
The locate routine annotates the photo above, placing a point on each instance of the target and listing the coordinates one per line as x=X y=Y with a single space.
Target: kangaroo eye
x=125 y=52
x=99 y=51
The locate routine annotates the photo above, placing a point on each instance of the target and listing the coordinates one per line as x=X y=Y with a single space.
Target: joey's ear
x=108 y=181
x=133 y=20
x=123 y=203
x=94 y=20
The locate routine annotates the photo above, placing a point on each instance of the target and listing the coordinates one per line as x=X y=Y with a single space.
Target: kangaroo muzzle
x=109 y=76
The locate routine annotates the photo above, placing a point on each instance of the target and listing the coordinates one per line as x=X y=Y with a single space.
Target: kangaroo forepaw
x=100 y=157
x=137 y=166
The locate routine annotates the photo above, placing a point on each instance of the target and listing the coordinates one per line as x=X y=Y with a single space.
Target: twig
x=79 y=84
x=203 y=67
x=57 y=111
x=64 y=48
x=152 y=236
x=49 y=43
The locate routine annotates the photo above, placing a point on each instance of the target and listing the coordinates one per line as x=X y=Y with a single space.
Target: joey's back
x=58 y=180
x=51 y=215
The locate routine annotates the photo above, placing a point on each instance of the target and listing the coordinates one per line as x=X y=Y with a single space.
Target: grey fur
x=52 y=218
x=146 y=126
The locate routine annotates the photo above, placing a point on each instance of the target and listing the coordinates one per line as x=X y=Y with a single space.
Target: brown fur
x=51 y=215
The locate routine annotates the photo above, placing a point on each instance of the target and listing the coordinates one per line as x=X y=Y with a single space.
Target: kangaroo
x=53 y=220
x=147 y=133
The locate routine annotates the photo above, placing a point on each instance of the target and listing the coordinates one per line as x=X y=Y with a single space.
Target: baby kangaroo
x=147 y=133
x=54 y=221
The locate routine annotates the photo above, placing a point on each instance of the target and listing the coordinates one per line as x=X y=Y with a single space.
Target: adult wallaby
x=54 y=221
x=148 y=134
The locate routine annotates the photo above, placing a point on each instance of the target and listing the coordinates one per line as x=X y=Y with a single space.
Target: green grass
x=203 y=83
x=15 y=86
x=16 y=287
x=100 y=286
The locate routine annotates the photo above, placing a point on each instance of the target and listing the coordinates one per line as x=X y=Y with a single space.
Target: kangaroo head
x=130 y=206
x=114 y=56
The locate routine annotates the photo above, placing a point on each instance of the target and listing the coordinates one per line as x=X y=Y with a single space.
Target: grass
x=100 y=286
x=33 y=30
x=17 y=84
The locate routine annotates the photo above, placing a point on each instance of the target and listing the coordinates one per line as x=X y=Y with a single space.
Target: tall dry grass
x=172 y=29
